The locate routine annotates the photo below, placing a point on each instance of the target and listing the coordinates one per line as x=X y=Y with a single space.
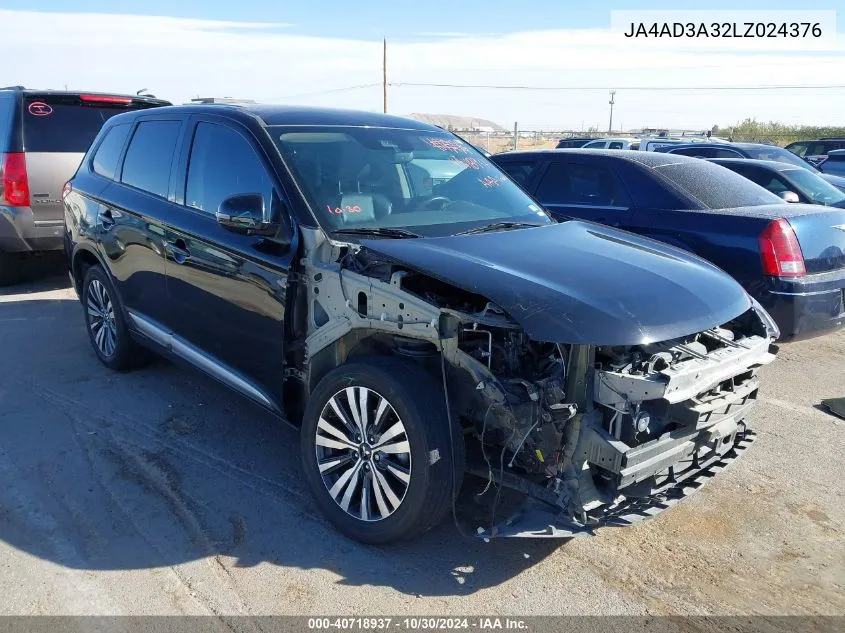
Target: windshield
x=714 y=186
x=780 y=155
x=430 y=182
x=817 y=190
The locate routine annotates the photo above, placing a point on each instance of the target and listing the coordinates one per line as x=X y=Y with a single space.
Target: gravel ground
x=159 y=492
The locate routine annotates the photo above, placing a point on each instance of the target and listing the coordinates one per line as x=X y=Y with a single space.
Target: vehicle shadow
x=162 y=466
x=44 y=272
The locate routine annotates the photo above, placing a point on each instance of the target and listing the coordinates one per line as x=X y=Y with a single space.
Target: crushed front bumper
x=537 y=518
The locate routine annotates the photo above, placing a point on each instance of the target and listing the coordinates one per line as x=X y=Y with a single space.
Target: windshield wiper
x=496 y=226
x=376 y=231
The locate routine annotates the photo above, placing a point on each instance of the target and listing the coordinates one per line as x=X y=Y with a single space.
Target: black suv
x=381 y=284
x=43 y=136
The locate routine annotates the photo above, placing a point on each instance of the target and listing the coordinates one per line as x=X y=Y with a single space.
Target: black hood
x=578 y=282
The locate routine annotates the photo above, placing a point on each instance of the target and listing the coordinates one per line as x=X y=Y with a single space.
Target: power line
x=330 y=90
x=604 y=88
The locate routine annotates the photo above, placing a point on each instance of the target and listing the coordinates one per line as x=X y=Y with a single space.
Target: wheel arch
x=83 y=258
x=354 y=344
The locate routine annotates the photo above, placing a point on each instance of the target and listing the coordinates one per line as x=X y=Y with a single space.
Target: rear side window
x=63 y=124
x=149 y=156
x=222 y=164
x=615 y=145
x=520 y=173
x=108 y=153
x=590 y=185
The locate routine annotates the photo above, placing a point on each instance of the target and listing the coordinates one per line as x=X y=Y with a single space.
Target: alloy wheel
x=101 y=318
x=363 y=453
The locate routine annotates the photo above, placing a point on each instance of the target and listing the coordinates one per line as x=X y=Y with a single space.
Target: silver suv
x=43 y=136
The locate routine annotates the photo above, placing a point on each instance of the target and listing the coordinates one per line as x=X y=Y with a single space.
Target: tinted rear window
x=714 y=186
x=63 y=124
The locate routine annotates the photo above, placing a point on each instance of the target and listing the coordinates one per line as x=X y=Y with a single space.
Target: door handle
x=179 y=250
x=106 y=219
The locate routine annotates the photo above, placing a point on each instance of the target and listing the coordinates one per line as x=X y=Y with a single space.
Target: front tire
x=106 y=325
x=376 y=450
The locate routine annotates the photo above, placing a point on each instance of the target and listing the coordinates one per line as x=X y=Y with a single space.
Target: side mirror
x=244 y=213
x=789 y=196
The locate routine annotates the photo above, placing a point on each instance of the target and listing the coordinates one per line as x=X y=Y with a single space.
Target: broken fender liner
x=537 y=519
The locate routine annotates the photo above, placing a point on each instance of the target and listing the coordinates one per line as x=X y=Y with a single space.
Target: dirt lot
x=158 y=492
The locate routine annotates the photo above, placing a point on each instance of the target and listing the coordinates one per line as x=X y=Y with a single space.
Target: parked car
x=574 y=142
x=790 y=257
x=816 y=151
x=287 y=253
x=758 y=151
x=833 y=165
x=43 y=136
x=789 y=182
x=655 y=143
x=613 y=143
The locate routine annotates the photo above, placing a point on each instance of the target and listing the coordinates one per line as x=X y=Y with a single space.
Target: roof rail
x=211 y=100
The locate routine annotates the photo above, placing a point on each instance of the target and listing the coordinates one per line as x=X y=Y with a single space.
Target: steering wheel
x=429 y=204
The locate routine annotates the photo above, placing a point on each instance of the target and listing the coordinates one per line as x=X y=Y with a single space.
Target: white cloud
x=181 y=58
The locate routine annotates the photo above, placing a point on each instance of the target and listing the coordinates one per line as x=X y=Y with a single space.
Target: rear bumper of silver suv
x=20 y=232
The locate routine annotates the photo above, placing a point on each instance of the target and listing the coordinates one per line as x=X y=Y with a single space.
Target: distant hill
x=457 y=122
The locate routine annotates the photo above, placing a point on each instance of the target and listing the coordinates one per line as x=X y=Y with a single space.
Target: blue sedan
x=790 y=257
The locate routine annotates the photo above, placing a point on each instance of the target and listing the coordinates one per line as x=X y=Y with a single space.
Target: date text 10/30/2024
x=417 y=623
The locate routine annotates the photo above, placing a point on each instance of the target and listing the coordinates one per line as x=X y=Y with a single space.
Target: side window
x=595 y=145
x=816 y=149
x=699 y=152
x=520 y=173
x=222 y=164
x=108 y=153
x=724 y=153
x=615 y=145
x=763 y=178
x=149 y=156
x=7 y=108
x=590 y=185
x=799 y=149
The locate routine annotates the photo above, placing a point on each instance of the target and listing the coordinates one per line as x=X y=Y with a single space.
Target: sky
x=329 y=53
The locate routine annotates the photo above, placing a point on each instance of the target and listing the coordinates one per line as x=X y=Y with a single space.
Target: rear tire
x=106 y=325
x=371 y=495
x=10 y=268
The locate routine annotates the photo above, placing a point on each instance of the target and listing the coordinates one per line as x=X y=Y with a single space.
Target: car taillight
x=66 y=189
x=780 y=250
x=105 y=99
x=14 y=184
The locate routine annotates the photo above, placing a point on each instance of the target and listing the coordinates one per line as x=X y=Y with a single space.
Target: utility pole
x=611 y=102
x=384 y=73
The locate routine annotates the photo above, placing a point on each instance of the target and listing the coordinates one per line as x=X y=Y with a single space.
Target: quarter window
x=149 y=156
x=222 y=164
x=108 y=153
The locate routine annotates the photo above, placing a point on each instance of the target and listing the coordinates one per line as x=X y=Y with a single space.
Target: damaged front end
x=592 y=435
x=612 y=435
